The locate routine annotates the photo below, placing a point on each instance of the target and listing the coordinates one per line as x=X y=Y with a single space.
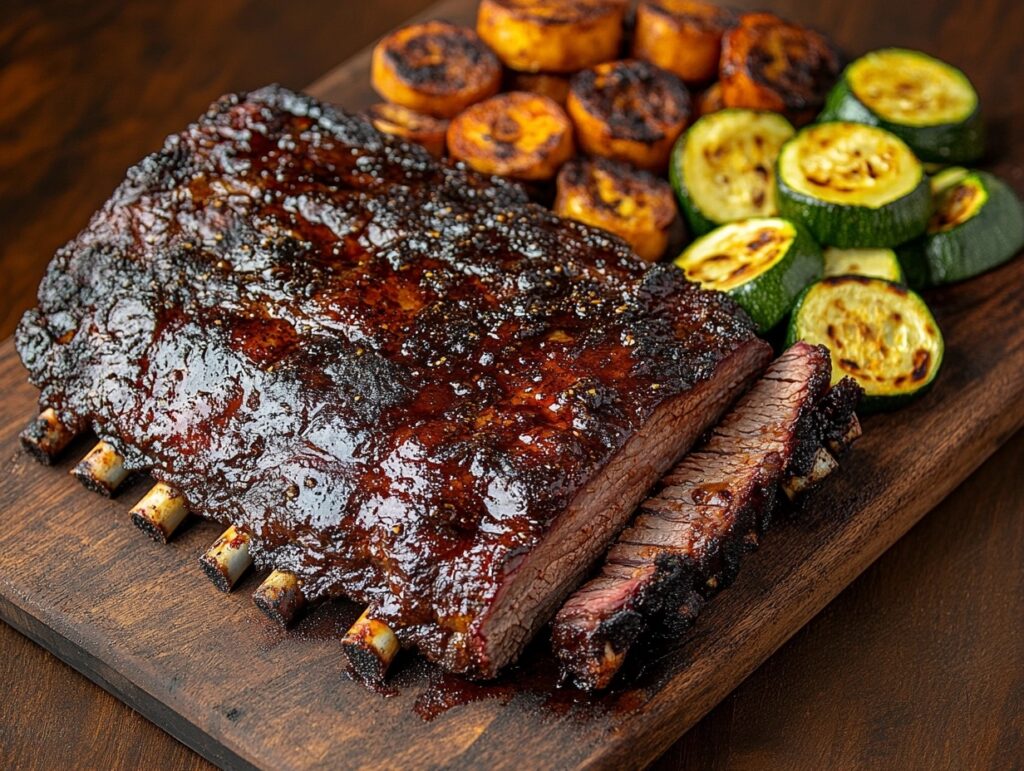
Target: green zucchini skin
x=988 y=239
x=698 y=222
x=850 y=226
x=695 y=219
x=947 y=143
x=769 y=296
x=870 y=403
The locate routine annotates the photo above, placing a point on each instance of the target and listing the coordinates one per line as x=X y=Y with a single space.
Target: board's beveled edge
x=83 y=661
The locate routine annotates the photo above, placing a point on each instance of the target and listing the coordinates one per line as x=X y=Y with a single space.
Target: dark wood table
x=919 y=664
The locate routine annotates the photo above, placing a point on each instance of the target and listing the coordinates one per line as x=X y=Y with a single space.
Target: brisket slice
x=408 y=385
x=687 y=539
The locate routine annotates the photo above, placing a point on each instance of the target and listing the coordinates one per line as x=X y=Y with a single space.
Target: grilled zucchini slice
x=410 y=125
x=633 y=204
x=723 y=167
x=879 y=333
x=927 y=103
x=875 y=263
x=771 y=64
x=852 y=185
x=763 y=263
x=549 y=84
x=519 y=135
x=552 y=35
x=977 y=223
x=434 y=68
x=682 y=36
x=629 y=110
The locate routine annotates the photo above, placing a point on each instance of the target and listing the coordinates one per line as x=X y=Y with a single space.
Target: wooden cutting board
x=143 y=621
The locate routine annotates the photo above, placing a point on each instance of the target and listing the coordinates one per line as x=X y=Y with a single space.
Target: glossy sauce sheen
x=393 y=373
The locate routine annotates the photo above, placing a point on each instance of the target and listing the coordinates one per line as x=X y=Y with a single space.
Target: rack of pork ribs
x=400 y=382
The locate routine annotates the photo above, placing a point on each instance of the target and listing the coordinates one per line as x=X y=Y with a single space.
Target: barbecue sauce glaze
x=393 y=373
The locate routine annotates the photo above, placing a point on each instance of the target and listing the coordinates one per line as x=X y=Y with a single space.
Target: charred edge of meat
x=670 y=603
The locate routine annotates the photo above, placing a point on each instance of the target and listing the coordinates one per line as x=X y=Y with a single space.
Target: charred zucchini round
x=434 y=68
x=927 y=103
x=632 y=204
x=519 y=135
x=763 y=263
x=771 y=64
x=879 y=333
x=552 y=35
x=852 y=185
x=723 y=167
x=977 y=223
x=682 y=36
x=629 y=110
x=410 y=125
x=875 y=263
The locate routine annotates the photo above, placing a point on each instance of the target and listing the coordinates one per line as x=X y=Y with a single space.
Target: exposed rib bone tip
x=280 y=597
x=102 y=470
x=45 y=437
x=370 y=646
x=823 y=465
x=227 y=559
x=159 y=512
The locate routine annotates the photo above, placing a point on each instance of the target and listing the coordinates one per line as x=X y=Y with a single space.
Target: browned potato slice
x=410 y=125
x=634 y=205
x=771 y=64
x=435 y=68
x=629 y=110
x=552 y=35
x=520 y=135
x=549 y=84
x=682 y=36
x=710 y=100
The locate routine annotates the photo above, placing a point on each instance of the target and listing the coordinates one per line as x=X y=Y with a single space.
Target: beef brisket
x=409 y=386
x=687 y=539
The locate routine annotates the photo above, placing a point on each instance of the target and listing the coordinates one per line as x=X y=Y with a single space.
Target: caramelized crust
x=552 y=35
x=629 y=110
x=519 y=135
x=682 y=36
x=434 y=68
x=410 y=125
x=771 y=64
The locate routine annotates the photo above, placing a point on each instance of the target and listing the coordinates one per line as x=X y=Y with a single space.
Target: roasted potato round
x=410 y=125
x=634 y=205
x=549 y=84
x=771 y=64
x=435 y=68
x=710 y=100
x=682 y=36
x=520 y=135
x=629 y=110
x=552 y=35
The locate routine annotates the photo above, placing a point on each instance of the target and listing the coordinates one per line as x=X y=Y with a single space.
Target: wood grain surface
x=918 y=665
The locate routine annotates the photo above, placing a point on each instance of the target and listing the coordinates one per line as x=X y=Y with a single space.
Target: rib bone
x=370 y=646
x=45 y=437
x=102 y=470
x=227 y=559
x=280 y=597
x=160 y=512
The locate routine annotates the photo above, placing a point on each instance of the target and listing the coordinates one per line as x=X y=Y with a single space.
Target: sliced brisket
x=408 y=385
x=687 y=539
